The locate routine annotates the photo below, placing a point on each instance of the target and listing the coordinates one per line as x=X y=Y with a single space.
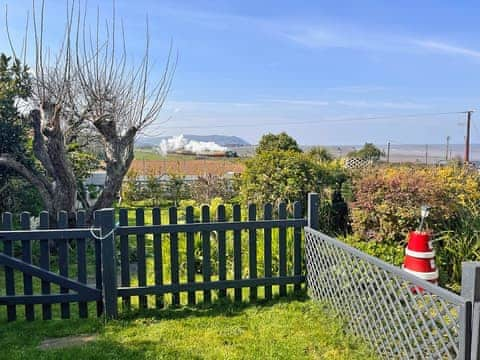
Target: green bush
x=387 y=201
x=462 y=243
x=368 y=152
x=276 y=176
x=389 y=252
x=386 y=207
x=277 y=142
x=131 y=188
x=17 y=195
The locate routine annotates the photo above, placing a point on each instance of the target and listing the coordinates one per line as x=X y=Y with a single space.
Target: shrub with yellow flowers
x=387 y=199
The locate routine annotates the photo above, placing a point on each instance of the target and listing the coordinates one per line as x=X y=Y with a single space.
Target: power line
x=389 y=117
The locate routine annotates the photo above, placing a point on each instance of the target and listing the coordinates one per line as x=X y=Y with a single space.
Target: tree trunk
x=57 y=186
x=50 y=149
x=118 y=158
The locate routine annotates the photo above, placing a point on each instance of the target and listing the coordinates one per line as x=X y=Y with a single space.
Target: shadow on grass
x=220 y=307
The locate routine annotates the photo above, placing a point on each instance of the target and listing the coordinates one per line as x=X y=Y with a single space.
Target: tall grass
x=458 y=245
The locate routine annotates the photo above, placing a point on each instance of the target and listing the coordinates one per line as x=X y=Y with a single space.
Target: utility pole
x=426 y=154
x=388 y=152
x=446 y=151
x=467 y=137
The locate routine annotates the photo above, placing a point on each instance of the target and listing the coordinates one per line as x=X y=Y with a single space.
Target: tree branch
x=129 y=136
x=39 y=148
x=3 y=188
x=37 y=180
x=106 y=127
x=82 y=197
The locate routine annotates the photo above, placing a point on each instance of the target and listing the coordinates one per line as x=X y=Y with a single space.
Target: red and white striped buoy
x=420 y=257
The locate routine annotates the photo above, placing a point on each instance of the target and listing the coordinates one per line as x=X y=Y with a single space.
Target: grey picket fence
x=400 y=315
x=95 y=265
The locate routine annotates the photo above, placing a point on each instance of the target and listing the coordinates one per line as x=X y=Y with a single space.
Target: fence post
x=105 y=219
x=312 y=213
x=471 y=292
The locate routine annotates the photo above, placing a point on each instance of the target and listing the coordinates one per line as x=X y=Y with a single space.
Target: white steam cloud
x=179 y=143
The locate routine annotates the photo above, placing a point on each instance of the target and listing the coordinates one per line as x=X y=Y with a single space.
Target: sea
x=417 y=153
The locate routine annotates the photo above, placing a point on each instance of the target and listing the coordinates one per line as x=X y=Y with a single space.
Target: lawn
x=292 y=328
x=288 y=328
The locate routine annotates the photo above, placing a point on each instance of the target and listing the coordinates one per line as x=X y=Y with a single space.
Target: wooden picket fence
x=93 y=265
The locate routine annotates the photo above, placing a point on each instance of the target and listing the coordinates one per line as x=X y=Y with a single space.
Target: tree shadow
x=100 y=349
x=220 y=307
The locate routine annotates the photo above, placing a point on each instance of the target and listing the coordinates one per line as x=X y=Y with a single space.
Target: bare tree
x=89 y=88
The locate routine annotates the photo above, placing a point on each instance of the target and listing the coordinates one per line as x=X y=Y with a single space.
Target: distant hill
x=223 y=140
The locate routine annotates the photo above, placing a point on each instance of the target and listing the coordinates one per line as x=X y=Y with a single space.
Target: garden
x=372 y=208
x=86 y=109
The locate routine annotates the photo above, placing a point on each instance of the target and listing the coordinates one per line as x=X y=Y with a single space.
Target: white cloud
x=299 y=102
x=358 y=89
x=359 y=39
x=346 y=37
x=442 y=47
x=182 y=104
x=382 y=104
x=322 y=35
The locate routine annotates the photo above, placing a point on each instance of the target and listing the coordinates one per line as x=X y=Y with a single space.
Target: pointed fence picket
x=191 y=256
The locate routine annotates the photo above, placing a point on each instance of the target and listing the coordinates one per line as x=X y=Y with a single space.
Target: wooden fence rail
x=122 y=260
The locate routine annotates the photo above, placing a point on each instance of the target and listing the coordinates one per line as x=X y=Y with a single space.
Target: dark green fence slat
x=27 y=257
x=141 y=258
x=197 y=227
x=158 y=256
x=62 y=245
x=124 y=257
x=252 y=250
x=207 y=294
x=222 y=251
x=282 y=247
x=267 y=249
x=212 y=285
x=36 y=271
x=45 y=264
x=190 y=254
x=237 y=251
x=69 y=287
x=45 y=299
x=82 y=262
x=51 y=234
x=172 y=216
x=9 y=275
x=98 y=265
x=109 y=263
x=297 y=243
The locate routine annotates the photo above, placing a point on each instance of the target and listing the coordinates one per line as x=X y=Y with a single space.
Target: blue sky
x=319 y=70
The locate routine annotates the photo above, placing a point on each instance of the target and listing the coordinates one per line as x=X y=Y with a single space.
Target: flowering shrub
x=387 y=200
x=275 y=176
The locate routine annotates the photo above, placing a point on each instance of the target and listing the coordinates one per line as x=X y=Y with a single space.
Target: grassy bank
x=294 y=328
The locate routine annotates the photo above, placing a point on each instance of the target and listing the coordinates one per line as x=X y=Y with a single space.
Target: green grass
x=144 y=154
x=293 y=328
x=290 y=328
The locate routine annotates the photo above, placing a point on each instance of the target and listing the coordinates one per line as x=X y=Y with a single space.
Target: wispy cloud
x=347 y=37
x=358 y=89
x=220 y=106
x=361 y=39
x=447 y=48
x=299 y=102
x=382 y=104
x=179 y=104
x=324 y=34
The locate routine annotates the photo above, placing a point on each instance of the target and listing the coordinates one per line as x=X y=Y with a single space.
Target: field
x=149 y=154
x=184 y=166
